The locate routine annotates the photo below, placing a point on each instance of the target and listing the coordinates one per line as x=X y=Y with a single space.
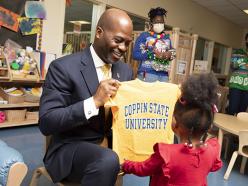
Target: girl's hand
x=121 y=172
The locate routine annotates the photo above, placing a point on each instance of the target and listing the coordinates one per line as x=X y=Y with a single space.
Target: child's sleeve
x=217 y=164
x=145 y=168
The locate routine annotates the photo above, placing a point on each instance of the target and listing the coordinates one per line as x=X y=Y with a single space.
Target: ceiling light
x=80 y=22
x=246 y=11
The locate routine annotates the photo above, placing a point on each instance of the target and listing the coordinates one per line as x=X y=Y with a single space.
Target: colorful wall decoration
x=8 y=19
x=35 y=9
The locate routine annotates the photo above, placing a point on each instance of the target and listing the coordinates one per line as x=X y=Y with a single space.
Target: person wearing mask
x=71 y=106
x=153 y=49
x=238 y=83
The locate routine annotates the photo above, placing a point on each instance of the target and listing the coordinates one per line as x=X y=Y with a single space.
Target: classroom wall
x=181 y=13
x=189 y=17
x=53 y=27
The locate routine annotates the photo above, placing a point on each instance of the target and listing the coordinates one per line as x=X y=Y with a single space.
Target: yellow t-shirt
x=142 y=116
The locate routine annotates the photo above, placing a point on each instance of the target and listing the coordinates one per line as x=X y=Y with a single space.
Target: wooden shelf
x=19 y=105
x=3 y=68
x=3 y=78
x=22 y=80
x=26 y=105
x=18 y=123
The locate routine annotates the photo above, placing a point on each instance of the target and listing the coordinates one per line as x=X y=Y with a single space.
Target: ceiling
x=229 y=9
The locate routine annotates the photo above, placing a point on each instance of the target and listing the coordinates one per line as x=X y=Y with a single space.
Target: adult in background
x=238 y=83
x=153 y=49
x=71 y=106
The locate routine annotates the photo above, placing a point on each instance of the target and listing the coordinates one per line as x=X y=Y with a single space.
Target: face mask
x=158 y=27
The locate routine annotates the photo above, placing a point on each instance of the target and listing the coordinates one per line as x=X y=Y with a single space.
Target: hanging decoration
x=29 y=26
x=35 y=9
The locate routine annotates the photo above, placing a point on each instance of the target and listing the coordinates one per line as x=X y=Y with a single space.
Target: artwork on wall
x=8 y=19
x=35 y=9
x=181 y=67
x=29 y=26
x=201 y=66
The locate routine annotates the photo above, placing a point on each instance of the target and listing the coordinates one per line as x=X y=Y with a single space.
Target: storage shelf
x=22 y=81
x=19 y=105
x=3 y=78
x=3 y=68
x=18 y=123
x=10 y=80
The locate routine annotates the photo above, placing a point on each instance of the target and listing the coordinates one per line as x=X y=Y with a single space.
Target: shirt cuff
x=90 y=108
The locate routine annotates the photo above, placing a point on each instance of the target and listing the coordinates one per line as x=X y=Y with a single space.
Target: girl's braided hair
x=194 y=109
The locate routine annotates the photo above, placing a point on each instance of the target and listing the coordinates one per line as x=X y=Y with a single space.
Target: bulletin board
x=16 y=6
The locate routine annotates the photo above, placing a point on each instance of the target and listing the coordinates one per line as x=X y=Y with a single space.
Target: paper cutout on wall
x=29 y=26
x=35 y=9
x=8 y=19
x=181 y=67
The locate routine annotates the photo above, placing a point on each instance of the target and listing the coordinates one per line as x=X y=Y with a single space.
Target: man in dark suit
x=71 y=106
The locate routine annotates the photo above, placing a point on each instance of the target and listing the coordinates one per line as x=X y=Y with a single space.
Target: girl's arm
x=145 y=168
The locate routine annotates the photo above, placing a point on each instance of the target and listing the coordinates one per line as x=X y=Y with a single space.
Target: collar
x=98 y=62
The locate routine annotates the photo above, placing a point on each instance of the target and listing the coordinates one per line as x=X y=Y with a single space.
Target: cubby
x=30 y=118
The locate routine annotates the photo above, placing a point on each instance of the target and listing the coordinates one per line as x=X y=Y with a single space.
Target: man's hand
x=106 y=89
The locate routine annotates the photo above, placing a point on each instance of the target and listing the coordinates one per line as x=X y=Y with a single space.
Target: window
x=201 y=51
x=219 y=58
x=77 y=27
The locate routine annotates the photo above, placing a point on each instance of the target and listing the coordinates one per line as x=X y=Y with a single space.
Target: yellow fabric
x=142 y=116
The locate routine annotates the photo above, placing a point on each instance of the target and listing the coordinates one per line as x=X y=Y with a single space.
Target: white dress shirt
x=89 y=104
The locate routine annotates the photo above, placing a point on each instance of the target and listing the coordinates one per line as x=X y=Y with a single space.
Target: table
x=228 y=123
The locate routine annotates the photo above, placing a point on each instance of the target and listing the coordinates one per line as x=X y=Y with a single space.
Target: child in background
x=189 y=162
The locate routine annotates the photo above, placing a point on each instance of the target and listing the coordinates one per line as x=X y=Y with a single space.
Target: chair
x=12 y=168
x=222 y=98
x=221 y=105
x=42 y=170
x=244 y=117
x=243 y=150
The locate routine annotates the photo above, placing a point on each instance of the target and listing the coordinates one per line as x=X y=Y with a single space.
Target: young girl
x=189 y=162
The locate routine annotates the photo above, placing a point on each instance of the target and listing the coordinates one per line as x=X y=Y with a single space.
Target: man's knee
x=109 y=162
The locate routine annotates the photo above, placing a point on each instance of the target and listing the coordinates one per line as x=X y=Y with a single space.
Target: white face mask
x=158 y=27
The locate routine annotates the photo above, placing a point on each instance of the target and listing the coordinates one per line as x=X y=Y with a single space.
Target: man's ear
x=99 y=32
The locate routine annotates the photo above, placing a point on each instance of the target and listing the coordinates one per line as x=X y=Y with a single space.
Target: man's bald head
x=113 y=35
x=114 y=17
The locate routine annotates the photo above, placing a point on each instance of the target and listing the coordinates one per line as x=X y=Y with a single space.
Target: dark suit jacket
x=69 y=81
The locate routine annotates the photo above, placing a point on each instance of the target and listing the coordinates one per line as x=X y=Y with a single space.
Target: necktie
x=106 y=75
x=106 y=71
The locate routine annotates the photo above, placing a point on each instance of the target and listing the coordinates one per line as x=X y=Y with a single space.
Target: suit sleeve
x=56 y=113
